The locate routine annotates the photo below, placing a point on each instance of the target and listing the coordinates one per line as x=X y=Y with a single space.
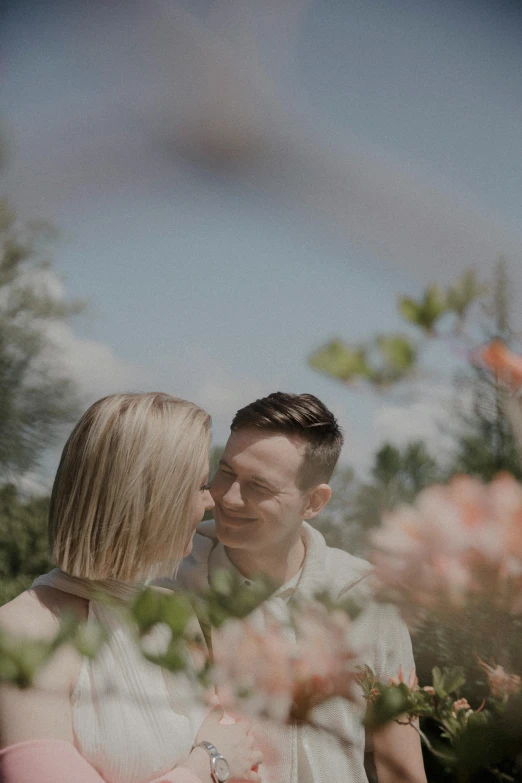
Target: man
x=271 y=480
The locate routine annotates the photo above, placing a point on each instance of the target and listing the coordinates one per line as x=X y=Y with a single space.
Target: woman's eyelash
x=205 y=487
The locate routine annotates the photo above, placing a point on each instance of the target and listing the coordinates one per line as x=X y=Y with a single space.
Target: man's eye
x=260 y=488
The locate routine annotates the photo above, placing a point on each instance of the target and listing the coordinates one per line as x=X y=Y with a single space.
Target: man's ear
x=317 y=500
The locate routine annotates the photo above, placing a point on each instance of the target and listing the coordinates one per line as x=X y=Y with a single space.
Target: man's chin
x=231 y=534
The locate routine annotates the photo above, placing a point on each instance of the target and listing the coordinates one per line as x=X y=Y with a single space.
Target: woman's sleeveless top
x=132 y=720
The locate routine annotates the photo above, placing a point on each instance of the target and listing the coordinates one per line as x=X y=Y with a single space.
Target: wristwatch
x=219 y=768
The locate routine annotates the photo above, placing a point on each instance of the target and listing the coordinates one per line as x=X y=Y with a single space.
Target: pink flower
x=456 y=542
x=461 y=704
x=429 y=689
x=412 y=683
x=501 y=684
x=279 y=674
x=253 y=667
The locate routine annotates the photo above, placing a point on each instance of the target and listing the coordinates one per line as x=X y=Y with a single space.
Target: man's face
x=259 y=505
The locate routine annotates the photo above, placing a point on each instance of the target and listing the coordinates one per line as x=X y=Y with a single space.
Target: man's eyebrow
x=263 y=480
x=259 y=479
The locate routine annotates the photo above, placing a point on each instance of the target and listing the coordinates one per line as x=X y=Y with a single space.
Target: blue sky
x=396 y=161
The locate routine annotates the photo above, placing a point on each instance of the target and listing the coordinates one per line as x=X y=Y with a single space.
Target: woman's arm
x=43 y=710
x=56 y=761
x=398 y=754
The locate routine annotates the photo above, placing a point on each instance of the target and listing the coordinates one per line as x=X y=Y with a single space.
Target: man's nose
x=232 y=496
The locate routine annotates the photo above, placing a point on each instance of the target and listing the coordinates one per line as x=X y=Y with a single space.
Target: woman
x=130 y=489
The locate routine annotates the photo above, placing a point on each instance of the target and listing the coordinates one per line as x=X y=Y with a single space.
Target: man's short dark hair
x=302 y=415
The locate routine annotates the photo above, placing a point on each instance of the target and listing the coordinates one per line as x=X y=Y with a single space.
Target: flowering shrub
x=280 y=672
x=456 y=543
x=461 y=726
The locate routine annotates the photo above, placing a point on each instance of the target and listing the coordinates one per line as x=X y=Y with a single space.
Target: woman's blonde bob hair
x=123 y=496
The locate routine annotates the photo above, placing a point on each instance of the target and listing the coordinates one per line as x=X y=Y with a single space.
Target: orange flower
x=503 y=363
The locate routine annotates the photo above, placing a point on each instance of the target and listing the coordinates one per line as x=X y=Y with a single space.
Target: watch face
x=221 y=769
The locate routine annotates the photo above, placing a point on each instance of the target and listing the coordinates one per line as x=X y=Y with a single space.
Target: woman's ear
x=317 y=500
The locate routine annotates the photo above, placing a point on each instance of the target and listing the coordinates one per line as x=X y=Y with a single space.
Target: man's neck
x=278 y=566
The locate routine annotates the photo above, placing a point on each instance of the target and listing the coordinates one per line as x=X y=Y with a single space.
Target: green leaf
x=426 y=312
x=223 y=582
x=341 y=361
x=391 y=702
x=453 y=679
x=438 y=682
x=29 y=656
x=147 y=609
x=177 y=611
x=399 y=352
x=464 y=292
x=89 y=640
x=409 y=309
x=434 y=305
x=448 y=681
x=174 y=659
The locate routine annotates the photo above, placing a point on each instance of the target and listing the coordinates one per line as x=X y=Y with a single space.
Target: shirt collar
x=219 y=560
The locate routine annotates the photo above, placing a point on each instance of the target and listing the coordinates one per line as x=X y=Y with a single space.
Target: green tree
x=397 y=476
x=337 y=521
x=23 y=533
x=36 y=397
x=484 y=439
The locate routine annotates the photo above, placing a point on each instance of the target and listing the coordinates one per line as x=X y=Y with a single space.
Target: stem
x=511 y=405
x=501 y=775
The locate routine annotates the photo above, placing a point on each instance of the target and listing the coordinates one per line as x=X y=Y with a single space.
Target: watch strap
x=215 y=755
x=209 y=747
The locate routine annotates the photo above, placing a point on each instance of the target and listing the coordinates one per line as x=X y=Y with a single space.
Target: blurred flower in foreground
x=502 y=362
x=457 y=542
x=412 y=682
x=272 y=673
x=462 y=704
x=501 y=683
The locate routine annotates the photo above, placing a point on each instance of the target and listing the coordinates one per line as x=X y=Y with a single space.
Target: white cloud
x=214 y=385
x=93 y=365
x=97 y=370
x=421 y=419
x=30 y=484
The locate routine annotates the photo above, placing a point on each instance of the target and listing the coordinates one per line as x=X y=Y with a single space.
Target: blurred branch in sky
x=226 y=112
x=219 y=84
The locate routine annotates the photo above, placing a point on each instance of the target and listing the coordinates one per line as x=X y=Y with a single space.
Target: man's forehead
x=270 y=449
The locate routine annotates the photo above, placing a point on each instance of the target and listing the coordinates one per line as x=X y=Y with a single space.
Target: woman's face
x=202 y=502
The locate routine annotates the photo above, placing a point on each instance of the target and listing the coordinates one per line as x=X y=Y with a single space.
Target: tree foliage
x=23 y=533
x=36 y=397
x=356 y=507
x=485 y=444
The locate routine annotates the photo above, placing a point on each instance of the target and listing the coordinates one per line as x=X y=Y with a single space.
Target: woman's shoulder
x=36 y=612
